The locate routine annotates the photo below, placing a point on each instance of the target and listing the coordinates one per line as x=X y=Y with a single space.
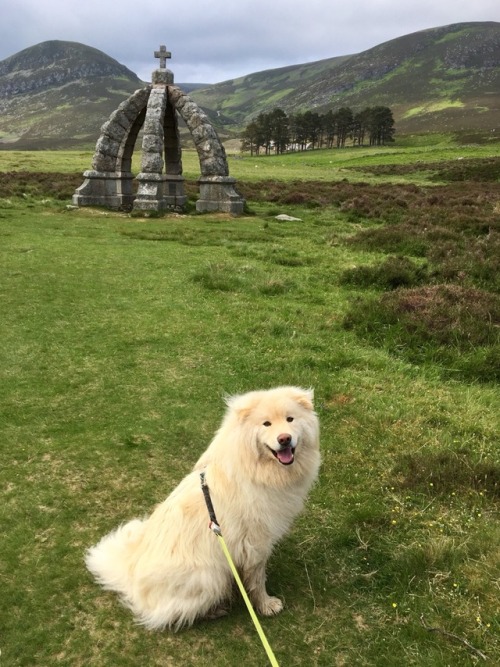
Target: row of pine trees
x=277 y=132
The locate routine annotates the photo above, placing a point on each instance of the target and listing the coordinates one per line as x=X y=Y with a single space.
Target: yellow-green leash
x=216 y=528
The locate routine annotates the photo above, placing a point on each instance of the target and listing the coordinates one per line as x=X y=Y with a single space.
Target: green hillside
x=442 y=79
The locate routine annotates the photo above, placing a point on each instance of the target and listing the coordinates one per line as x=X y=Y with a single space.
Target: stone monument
x=160 y=184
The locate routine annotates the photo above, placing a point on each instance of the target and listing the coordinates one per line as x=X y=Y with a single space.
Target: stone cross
x=163 y=54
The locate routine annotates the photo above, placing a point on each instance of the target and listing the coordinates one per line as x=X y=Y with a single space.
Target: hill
x=57 y=94
x=444 y=79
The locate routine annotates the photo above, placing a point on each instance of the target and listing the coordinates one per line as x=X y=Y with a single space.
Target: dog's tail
x=111 y=560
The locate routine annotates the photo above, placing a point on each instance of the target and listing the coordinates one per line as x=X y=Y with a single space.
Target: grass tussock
x=238 y=278
x=390 y=274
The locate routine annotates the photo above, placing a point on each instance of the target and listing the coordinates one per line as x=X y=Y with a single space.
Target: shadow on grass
x=447 y=471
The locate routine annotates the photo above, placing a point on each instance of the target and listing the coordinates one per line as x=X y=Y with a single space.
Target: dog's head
x=277 y=428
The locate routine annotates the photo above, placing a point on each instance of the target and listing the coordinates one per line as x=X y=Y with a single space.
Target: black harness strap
x=214 y=524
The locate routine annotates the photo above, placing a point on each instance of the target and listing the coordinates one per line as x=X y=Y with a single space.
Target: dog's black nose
x=284 y=439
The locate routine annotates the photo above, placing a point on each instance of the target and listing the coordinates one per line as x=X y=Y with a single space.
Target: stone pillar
x=174 y=196
x=150 y=189
x=157 y=191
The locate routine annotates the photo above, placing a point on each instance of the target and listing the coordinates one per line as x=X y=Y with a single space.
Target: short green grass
x=120 y=337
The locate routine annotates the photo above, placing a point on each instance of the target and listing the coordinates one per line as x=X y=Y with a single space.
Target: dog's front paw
x=270 y=606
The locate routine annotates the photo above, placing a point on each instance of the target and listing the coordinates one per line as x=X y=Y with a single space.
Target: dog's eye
x=266 y=424
x=289 y=419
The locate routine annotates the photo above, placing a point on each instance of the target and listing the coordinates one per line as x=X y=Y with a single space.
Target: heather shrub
x=39 y=184
x=474 y=263
x=456 y=327
x=476 y=169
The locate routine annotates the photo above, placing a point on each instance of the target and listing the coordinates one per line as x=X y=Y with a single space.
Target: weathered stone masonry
x=160 y=184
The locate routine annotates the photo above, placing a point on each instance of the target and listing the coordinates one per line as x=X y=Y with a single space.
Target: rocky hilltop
x=59 y=93
x=54 y=64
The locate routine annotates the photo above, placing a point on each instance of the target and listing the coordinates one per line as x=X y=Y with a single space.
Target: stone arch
x=211 y=153
x=110 y=181
x=217 y=191
x=154 y=108
x=116 y=143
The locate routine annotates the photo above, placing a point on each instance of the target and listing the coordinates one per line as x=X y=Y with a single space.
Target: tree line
x=279 y=133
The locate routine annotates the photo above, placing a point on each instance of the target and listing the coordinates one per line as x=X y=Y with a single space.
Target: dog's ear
x=241 y=405
x=304 y=397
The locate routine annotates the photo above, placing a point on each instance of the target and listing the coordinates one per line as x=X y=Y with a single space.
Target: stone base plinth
x=111 y=189
x=173 y=192
x=159 y=192
x=217 y=193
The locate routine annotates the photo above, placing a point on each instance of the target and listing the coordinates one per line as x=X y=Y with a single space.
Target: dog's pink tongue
x=285 y=456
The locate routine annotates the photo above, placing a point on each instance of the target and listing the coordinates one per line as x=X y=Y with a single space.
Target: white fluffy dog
x=169 y=568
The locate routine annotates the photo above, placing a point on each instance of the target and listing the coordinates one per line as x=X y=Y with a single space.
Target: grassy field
x=323 y=165
x=121 y=335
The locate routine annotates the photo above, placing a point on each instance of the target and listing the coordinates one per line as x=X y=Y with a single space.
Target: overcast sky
x=216 y=40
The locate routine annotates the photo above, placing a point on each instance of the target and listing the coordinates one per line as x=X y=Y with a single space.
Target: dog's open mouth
x=285 y=456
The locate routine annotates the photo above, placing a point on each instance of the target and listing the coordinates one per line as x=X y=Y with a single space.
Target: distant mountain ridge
x=447 y=79
x=441 y=79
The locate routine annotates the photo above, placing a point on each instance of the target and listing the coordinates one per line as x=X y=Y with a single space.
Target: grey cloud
x=212 y=42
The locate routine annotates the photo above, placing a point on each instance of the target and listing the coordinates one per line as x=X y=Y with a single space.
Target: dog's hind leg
x=219 y=611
